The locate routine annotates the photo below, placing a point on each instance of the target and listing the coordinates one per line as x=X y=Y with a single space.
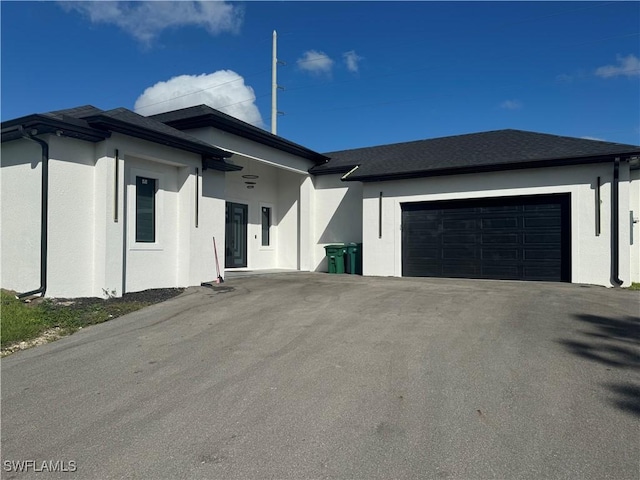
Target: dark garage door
x=513 y=238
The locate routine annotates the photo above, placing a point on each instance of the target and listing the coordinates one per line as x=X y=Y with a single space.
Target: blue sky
x=356 y=74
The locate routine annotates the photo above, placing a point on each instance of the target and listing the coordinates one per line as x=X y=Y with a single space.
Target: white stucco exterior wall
x=288 y=221
x=634 y=233
x=306 y=205
x=211 y=219
x=337 y=216
x=153 y=265
x=591 y=254
x=20 y=183
x=90 y=251
x=183 y=252
x=109 y=220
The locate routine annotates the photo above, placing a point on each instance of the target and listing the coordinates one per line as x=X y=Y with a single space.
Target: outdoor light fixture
x=250 y=176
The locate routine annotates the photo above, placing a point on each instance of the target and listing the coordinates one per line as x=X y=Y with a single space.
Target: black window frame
x=266 y=227
x=144 y=192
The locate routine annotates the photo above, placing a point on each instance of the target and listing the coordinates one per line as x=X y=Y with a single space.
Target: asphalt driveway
x=302 y=376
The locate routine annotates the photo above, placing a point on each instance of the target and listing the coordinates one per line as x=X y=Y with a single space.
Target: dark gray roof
x=205 y=116
x=117 y=120
x=76 y=112
x=495 y=150
x=125 y=118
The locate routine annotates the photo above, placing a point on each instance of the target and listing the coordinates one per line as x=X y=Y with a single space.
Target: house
x=98 y=203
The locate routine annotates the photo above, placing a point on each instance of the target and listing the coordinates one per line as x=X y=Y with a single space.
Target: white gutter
x=344 y=177
x=268 y=162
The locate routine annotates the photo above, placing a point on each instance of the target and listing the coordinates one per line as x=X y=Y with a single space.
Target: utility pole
x=274 y=85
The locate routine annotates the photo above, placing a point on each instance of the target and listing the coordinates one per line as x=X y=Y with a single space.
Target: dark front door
x=516 y=238
x=236 y=235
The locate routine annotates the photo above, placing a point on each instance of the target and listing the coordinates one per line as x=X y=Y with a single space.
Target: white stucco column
x=305 y=224
x=109 y=201
x=624 y=231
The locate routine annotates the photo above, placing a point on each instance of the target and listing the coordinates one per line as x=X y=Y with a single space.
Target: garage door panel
x=458 y=212
x=419 y=254
x=548 y=273
x=540 y=208
x=501 y=254
x=459 y=253
x=459 y=224
x=422 y=238
x=525 y=238
x=420 y=269
x=500 y=209
x=468 y=239
x=543 y=238
x=551 y=254
x=461 y=270
x=541 y=222
x=498 y=223
x=505 y=272
x=501 y=239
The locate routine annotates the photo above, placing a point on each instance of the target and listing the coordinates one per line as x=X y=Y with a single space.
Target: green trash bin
x=335 y=257
x=354 y=259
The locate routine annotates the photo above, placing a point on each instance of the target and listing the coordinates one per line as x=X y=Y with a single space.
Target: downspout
x=615 y=225
x=44 y=208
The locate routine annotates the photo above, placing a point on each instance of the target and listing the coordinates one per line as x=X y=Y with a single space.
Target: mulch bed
x=151 y=296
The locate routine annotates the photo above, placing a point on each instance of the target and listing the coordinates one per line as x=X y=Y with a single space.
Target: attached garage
x=512 y=238
x=505 y=204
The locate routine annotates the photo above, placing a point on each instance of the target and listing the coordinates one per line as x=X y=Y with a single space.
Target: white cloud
x=146 y=20
x=223 y=90
x=315 y=62
x=564 y=78
x=352 y=60
x=511 y=105
x=586 y=137
x=628 y=66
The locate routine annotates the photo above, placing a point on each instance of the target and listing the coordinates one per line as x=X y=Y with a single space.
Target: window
x=145 y=210
x=266 y=226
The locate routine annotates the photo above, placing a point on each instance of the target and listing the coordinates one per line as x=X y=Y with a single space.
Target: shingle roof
x=132 y=118
x=124 y=121
x=205 y=116
x=76 y=112
x=494 y=150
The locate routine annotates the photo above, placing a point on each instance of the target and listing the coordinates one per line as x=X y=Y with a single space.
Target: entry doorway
x=236 y=235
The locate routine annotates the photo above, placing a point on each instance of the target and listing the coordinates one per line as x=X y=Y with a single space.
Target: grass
x=635 y=286
x=23 y=322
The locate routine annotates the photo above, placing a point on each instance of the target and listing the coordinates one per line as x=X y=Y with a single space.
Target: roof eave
x=331 y=170
x=156 y=137
x=489 y=168
x=249 y=132
x=219 y=165
x=43 y=124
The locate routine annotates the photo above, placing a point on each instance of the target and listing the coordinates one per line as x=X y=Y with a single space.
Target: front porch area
x=266 y=207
